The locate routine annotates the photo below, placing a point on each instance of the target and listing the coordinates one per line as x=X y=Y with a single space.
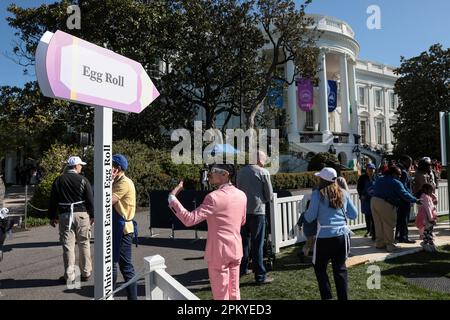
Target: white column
x=353 y=90
x=323 y=94
x=387 y=137
x=292 y=99
x=371 y=108
x=344 y=94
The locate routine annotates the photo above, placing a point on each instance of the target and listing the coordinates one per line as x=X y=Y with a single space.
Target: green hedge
x=307 y=179
x=323 y=159
x=152 y=169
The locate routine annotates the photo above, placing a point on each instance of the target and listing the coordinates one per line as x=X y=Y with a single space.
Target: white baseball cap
x=73 y=161
x=328 y=174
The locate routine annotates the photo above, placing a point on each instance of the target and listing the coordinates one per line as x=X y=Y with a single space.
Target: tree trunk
x=251 y=117
x=210 y=117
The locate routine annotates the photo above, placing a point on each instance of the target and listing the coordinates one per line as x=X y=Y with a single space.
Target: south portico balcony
x=317 y=137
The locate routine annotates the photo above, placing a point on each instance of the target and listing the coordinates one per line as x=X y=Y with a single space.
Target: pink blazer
x=427 y=211
x=224 y=210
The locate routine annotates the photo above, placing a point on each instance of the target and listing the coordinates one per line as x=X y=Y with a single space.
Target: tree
x=290 y=36
x=222 y=63
x=26 y=119
x=128 y=27
x=423 y=90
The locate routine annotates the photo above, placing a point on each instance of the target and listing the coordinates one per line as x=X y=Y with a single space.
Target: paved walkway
x=33 y=259
x=363 y=249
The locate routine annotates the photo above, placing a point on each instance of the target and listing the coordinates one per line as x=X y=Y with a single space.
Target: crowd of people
x=71 y=206
x=236 y=219
x=387 y=196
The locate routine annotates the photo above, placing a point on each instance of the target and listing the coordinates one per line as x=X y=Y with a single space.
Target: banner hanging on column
x=332 y=94
x=305 y=94
x=275 y=94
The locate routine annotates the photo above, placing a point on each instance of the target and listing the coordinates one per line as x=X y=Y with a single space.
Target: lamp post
x=357 y=152
x=332 y=149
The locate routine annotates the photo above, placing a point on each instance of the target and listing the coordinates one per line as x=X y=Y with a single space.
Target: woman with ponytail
x=331 y=206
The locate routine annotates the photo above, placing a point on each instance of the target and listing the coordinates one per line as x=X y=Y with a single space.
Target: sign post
x=72 y=69
x=103 y=265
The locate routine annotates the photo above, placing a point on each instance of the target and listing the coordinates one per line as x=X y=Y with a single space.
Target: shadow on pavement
x=179 y=243
x=9 y=247
x=28 y=283
x=193 y=278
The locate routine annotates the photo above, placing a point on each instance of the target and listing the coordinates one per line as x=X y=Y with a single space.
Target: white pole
x=103 y=202
x=26 y=206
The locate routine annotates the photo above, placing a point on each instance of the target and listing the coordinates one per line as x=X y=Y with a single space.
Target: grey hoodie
x=255 y=182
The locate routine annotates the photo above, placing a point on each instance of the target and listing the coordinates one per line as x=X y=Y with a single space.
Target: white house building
x=365 y=100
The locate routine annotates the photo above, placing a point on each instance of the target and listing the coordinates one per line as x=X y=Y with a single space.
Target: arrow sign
x=73 y=69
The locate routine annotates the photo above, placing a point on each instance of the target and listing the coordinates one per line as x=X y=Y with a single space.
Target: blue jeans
x=252 y=234
x=126 y=266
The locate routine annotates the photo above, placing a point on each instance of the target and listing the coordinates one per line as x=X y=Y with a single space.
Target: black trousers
x=401 y=229
x=331 y=249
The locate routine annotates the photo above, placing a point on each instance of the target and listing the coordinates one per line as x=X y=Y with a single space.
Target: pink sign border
x=53 y=66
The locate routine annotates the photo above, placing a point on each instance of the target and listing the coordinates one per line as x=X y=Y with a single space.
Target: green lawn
x=294 y=281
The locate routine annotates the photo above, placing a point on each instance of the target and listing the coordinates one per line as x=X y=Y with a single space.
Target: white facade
x=366 y=103
x=364 y=84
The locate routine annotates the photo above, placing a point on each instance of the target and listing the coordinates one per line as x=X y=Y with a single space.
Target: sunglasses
x=217 y=170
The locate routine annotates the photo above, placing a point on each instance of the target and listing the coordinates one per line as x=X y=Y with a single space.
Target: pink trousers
x=224 y=281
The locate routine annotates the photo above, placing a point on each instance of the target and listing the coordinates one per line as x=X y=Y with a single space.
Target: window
x=362 y=96
x=363 y=129
x=379 y=132
x=309 y=119
x=378 y=98
x=392 y=101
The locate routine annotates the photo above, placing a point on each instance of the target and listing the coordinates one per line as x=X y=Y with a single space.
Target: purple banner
x=305 y=94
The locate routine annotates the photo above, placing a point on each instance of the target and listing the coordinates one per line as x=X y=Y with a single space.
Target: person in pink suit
x=426 y=217
x=224 y=211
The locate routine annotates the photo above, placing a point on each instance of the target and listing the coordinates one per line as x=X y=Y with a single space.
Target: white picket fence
x=159 y=285
x=284 y=214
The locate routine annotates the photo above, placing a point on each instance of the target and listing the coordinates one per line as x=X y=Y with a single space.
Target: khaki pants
x=81 y=232
x=385 y=218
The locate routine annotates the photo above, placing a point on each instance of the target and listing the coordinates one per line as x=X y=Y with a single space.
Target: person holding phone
x=224 y=211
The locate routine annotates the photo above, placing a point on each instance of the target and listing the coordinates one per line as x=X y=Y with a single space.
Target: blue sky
x=408 y=27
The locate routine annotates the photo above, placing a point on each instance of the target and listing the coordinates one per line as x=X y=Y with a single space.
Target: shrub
x=41 y=195
x=53 y=160
x=323 y=159
x=350 y=176
x=282 y=181
x=153 y=169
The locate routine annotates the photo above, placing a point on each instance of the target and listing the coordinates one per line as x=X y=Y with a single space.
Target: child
x=309 y=230
x=426 y=217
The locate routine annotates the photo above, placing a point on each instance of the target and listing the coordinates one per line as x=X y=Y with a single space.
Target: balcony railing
x=340 y=137
x=310 y=137
x=332 y=24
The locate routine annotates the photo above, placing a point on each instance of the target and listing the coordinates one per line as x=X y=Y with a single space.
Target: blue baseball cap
x=371 y=166
x=121 y=161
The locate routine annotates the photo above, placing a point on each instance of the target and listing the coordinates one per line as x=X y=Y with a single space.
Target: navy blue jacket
x=392 y=191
